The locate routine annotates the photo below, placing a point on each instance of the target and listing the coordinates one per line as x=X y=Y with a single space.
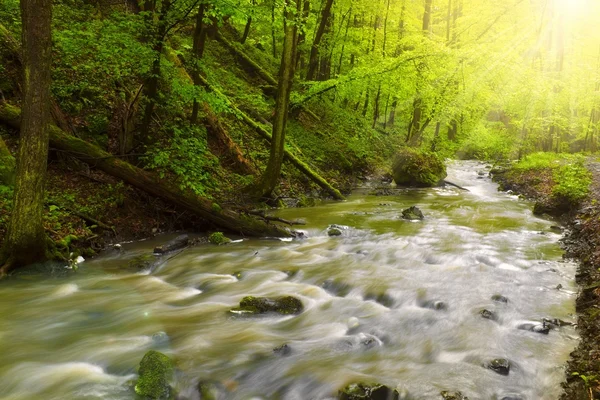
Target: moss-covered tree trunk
x=200 y=33
x=25 y=241
x=271 y=175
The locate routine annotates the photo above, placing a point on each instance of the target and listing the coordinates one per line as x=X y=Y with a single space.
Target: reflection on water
x=391 y=301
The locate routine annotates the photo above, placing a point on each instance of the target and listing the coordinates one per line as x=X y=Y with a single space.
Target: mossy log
x=236 y=50
x=265 y=134
x=146 y=181
x=219 y=137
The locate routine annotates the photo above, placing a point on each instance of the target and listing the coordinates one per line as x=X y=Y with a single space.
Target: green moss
x=367 y=391
x=286 y=305
x=414 y=167
x=156 y=372
x=218 y=238
x=216 y=208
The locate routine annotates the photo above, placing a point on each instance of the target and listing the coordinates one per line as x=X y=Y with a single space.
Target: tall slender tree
x=25 y=241
x=286 y=78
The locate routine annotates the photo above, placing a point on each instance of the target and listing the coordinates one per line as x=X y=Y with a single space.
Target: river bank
x=581 y=242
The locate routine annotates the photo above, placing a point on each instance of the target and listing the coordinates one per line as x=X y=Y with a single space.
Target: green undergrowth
x=571 y=179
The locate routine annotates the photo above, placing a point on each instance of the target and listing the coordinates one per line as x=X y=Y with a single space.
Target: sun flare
x=571 y=7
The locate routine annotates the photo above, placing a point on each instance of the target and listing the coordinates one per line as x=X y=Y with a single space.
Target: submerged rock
x=453 y=395
x=156 y=372
x=499 y=298
x=434 y=305
x=142 y=262
x=412 y=214
x=209 y=390
x=500 y=366
x=382 y=298
x=487 y=314
x=283 y=350
x=261 y=305
x=364 y=391
x=336 y=288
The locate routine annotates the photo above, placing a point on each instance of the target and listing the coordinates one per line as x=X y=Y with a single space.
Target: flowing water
x=82 y=336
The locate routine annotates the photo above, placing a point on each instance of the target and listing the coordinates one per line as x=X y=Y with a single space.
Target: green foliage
x=487 y=144
x=571 y=178
x=218 y=238
x=186 y=156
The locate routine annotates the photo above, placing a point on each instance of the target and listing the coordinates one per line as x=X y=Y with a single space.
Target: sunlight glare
x=571 y=7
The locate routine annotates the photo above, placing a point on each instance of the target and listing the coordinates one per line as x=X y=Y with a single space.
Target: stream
x=390 y=301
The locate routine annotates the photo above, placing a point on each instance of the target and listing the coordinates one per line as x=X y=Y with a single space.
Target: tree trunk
x=25 y=241
x=146 y=181
x=273 y=40
x=302 y=35
x=392 y=118
x=427 y=16
x=153 y=80
x=272 y=173
x=197 y=52
x=376 y=110
x=314 y=51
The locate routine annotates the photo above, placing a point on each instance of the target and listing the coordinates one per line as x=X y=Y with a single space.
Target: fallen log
x=146 y=181
x=266 y=135
x=178 y=243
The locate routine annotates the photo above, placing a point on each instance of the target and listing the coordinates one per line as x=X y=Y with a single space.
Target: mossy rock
x=141 y=262
x=417 y=168
x=218 y=238
x=413 y=214
x=368 y=391
x=334 y=232
x=285 y=305
x=453 y=395
x=156 y=372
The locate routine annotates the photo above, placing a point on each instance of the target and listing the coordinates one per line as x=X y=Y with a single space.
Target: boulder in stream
x=142 y=262
x=368 y=391
x=500 y=366
x=218 y=238
x=433 y=305
x=285 y=305
x=156 y=372
x=334 y=232
x=413 y=214
x=178 y=243
x=414 y=167
x=446 y=395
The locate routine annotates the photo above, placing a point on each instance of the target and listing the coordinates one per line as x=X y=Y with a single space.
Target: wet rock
x=283 y=350
x=500 y=366
x=499 y=298
x=218 y=238
x=160 y=339
x=557 y=229
x=537 y=328
x=412 y=214
x=512 y=397
x=487 y=314
x=382 y=298
x=370 y=391
x=554 y=323
x=156 y=372
x=142 y=262
x=336 y=288
x=334 y=232
x=178 y=243
x=210 y=390
x=453 y=395
x=434 y=305
x=481 y=173
x=286 y=305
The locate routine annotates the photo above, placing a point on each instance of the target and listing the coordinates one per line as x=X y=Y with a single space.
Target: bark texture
x=25 y=241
